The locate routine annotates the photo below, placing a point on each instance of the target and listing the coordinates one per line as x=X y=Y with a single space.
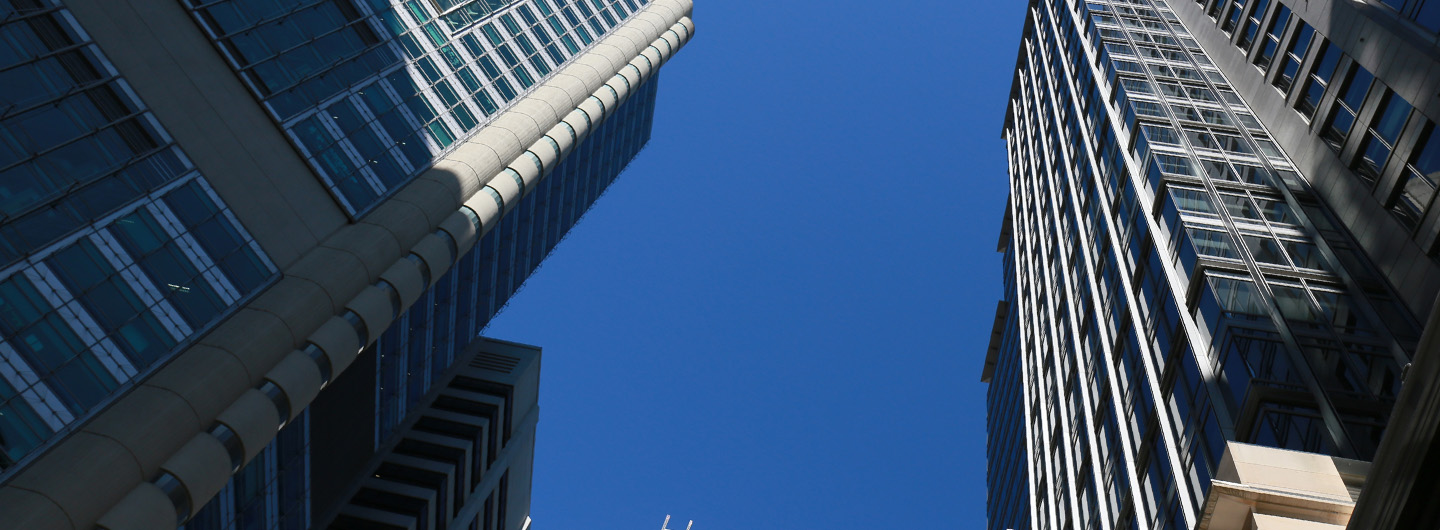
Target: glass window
x=1294 y=55
x=1265 y=250
x=1212 y=243
x=1306 y=255
x=1318 y=81
x=1294 y=303
x=1219 y=170
x=1239 y=206
x=1137 y=85
x=221 y=240
x=21 y=429
x=1237 y=296
x=1159 y=134
x=1272 y=37
x=168 y=267
x=48 y=344
x=110 y=299
x=1347 y=105
x=1428 y=15
x=1275 y=210
x=1392 y=118
x=1253 y=175
x=1148 y=108
x=1341 y=312
x=1380 y=139
x=1417 y=186
x=1175 y=165
x=1192 y=201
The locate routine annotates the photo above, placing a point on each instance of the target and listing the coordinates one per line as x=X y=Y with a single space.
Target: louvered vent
x=495 y=362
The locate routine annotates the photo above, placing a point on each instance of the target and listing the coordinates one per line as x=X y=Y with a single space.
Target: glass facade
x=1173 y=281
x=114 y=251
x=1403 y=180
x=1007 y=476
x=371 y=92
x=273 y=490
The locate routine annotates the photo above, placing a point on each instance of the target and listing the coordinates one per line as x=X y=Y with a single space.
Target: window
x=1294 y=304
x=1192 y=201
x=1158 y=134
x=1239 y=207
x=1319 y=80
x=1347 y=105
x=1418 y=179
x=1275 y=210
x=1136 y=85
x=1306 y=255
x=1272 y=37
x=1219 y=170
x=1380 y=139
x=1265 y=250
x=1148 y=108
x=1294 y=55
x=1252 y=25
x=1212 y=243
x=1253 y=175
x=1232 y=17
x=121 y=312
x=1229 y=296
x=1175 y=165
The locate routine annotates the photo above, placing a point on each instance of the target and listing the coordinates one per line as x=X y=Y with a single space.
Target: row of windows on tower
x=114 y=251
x=1394 y=151
x=371 y=91
x=1210 y=139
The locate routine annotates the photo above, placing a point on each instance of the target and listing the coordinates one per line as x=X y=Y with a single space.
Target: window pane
x=1294 y=303
x=1265 y=250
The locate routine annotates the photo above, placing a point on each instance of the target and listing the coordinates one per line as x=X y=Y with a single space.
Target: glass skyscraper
x=1219 y=230
x=211 y=210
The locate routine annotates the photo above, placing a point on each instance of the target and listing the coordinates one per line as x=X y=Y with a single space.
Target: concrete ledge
x=254 y=419
x=299 y=377
x=207 y=378
x=152 y=424
x=145 y=508
x=85 y=476
x=203 y=467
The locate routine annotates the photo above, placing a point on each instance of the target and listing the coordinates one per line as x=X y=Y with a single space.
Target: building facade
x=211 y=211
x=462 y=460
x=1219 y=234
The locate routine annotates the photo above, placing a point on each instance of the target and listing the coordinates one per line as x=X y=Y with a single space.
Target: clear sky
x=777 y=316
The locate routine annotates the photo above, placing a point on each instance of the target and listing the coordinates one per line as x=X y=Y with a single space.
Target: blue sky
x=776 y=318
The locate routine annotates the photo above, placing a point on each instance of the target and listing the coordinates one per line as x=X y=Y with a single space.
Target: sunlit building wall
x=1187 y=269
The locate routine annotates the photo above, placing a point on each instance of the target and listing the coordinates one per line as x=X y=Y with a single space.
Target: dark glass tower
x=1193 y=255
x=212 y=210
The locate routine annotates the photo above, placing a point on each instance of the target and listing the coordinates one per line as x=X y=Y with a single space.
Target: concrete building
x=1219 y=248
x=219 y=216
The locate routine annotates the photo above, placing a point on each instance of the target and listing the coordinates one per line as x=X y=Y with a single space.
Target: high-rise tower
x=212 y=210
x=1219 y=231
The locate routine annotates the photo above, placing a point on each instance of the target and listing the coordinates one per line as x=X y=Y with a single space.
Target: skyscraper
x=211 y=211
x=1219 y=232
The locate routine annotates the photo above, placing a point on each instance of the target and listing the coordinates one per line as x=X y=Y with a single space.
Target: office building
x=214 y=213
x=463 y=459
x=1219 y=243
